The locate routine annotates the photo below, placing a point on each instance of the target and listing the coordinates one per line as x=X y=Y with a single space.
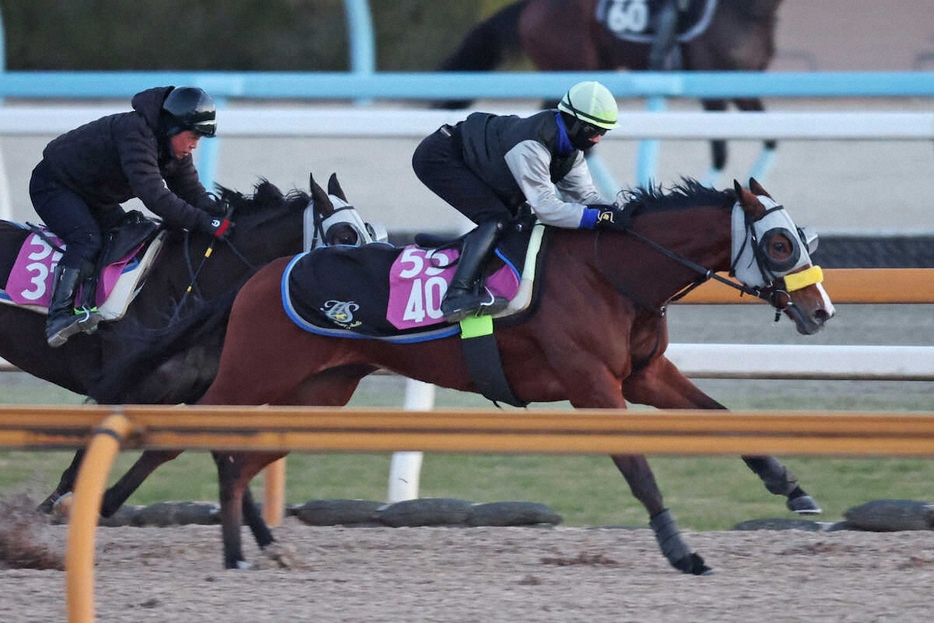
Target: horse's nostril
x=822 y=315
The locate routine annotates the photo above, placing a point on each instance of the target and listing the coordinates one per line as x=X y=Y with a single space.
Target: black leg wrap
x=777 y=478
x=673 y=546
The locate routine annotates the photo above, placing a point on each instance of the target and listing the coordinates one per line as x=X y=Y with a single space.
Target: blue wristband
x=589 y=218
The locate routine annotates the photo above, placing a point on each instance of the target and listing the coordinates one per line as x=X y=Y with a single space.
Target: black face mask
x=580 y=133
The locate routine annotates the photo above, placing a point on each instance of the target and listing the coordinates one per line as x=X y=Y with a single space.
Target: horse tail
x=486 y=46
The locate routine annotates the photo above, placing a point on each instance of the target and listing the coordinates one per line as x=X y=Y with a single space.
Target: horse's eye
x=780 y=247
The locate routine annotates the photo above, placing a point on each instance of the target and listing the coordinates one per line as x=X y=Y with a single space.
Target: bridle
x=230 y=199
x=776 y=290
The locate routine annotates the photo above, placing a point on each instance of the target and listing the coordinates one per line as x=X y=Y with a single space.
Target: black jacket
x=530 y=159
x=120 y=156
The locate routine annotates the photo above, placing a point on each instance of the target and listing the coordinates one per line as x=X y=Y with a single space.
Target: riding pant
x=438 y=162
x=71 y=218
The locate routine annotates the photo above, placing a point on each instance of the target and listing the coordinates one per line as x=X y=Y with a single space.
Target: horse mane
x=266 y=196
x=689 y=193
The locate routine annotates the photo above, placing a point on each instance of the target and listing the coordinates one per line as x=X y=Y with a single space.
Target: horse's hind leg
x=235 y=471
x=661 y=385
x=718 y=151
x=780 y=480
x=763 y=164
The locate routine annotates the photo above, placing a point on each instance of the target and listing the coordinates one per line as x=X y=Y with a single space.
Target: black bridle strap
x=193 y=273
x=705 y=273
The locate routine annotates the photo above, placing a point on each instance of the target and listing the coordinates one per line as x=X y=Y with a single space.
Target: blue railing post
x=208 y=150
x=360 y=39
x=647 y=162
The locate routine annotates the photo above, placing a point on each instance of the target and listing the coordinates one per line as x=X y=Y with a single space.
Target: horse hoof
x=243 y=565
x=62 y=506
x=693 y=565
x=803 y=505
x=282 y=555
x=47 y=505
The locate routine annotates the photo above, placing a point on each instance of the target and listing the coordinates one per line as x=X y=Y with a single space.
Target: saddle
x=29 y=254
x=635 y=20
x=394 y=294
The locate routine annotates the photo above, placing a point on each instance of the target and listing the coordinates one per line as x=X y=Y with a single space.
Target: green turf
x=704 y=493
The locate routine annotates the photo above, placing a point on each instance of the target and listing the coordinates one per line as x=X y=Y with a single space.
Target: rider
x=488 y=166
x=85 y=175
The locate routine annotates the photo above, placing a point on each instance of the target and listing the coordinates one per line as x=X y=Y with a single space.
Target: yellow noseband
x=803 y=279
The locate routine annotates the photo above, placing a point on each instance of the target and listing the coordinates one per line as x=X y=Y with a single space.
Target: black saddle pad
x=385 y=292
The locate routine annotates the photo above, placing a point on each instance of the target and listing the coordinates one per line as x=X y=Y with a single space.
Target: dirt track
x=493 y=574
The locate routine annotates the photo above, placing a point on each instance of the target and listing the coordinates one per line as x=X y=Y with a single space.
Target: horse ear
x=334 y=187
x=757 y=189
x=746 y=198
x=322 y=202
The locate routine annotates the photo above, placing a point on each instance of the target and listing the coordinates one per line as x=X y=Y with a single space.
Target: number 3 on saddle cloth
x=378 y=291
x=29 y=255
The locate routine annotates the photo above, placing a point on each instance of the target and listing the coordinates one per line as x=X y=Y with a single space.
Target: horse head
x=772 y=255
x=335 y=221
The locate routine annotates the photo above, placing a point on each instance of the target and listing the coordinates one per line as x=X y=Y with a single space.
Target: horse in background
x=605 y=35
x=596 y=334
x=166 y=348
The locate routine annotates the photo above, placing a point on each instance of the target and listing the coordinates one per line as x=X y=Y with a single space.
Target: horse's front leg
x=636 y=470
x=660 y=384
x=146 y=464
x=66 y=484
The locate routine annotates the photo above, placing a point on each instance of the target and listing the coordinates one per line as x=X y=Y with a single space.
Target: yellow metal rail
x=360 y=430
x=581 y=431
x=844 y=285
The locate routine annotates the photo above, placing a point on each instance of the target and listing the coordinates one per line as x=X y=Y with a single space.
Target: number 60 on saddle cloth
x=30 y=281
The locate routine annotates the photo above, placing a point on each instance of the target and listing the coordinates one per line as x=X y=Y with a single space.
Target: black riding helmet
x=188 y=108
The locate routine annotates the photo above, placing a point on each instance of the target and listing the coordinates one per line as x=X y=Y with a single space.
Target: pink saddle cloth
x=30 y=280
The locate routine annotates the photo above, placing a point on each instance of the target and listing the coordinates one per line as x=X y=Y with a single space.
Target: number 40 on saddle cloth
x=380 y=291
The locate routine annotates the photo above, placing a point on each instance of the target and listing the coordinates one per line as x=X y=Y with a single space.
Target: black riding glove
x=217 y=226
x=609 y=217
x=213 y=206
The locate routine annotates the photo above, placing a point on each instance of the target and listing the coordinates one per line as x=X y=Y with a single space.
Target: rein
x=771 y=294
x=193 y=273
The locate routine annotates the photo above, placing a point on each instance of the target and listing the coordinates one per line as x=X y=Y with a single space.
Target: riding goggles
x=589 y=131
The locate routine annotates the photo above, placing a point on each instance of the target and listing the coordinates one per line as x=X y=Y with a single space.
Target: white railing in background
x=324 y=122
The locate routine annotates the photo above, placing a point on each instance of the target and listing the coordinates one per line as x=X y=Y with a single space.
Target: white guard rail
x=308 y=121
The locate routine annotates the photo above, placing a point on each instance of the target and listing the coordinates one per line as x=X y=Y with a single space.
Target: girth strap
x=481 y=355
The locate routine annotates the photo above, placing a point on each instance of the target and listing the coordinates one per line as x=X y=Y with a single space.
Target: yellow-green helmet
x=592 y=103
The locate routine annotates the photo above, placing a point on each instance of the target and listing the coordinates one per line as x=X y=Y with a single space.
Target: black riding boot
x=466 y=296
x=62 y=322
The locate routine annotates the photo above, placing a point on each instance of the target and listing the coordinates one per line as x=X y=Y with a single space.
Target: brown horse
x=568 y=35
x=166 y=349
x=596 y=337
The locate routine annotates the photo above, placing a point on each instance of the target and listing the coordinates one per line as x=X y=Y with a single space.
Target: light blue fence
x=362 y=85
x=466 y=85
